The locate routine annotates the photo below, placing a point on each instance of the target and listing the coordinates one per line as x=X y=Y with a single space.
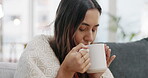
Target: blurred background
x=21 y=20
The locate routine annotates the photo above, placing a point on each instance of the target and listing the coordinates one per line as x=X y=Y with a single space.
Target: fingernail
x=81 y=49
x=87 y=50
x=84 y=50
x=90 y=64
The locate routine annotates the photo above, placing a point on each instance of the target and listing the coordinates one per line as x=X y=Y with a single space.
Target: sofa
x=7 y=70
x=131 y=61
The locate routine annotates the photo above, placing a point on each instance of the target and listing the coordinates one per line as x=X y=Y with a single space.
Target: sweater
x=39 y=60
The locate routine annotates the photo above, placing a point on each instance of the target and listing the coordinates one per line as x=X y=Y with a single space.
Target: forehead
x=92 y=12
x=92 y=16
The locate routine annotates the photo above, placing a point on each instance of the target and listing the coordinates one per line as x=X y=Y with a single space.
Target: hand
x=77 y=60
x=109 y=60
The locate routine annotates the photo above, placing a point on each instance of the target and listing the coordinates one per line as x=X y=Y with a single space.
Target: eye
x=82 y=28
x=94 y=29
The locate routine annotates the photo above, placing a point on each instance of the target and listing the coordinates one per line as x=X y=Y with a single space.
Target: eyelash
x=85 y=28
x=93 y=30
x=82 y=29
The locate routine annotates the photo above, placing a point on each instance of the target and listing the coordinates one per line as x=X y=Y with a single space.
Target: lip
x=86 y=43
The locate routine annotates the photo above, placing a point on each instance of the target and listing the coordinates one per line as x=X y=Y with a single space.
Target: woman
x=76 y=26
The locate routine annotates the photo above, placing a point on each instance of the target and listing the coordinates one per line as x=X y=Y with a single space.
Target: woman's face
x=87 y=30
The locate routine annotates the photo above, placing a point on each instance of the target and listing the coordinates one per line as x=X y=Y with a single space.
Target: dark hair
x=69 y=15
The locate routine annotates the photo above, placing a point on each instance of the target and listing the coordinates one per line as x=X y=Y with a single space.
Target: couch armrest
x=7 y=70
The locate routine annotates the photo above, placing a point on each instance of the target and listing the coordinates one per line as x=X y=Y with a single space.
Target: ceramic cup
x=97 y=58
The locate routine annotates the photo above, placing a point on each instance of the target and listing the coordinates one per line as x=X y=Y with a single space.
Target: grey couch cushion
x=7 y=70
x=132 y=59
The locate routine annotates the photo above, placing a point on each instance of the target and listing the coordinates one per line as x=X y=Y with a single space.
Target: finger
x=86 y=67
x=86 y=56
x=80 y=46
x=83 y=65
x=105 y=45
x=79 y=55
x=86 y=63
x=108 y=53
x=111 y=60
x=83 y=51
x=106 y=48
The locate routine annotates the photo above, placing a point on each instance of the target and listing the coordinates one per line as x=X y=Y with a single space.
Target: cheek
x=78 y=38
x=94 y=36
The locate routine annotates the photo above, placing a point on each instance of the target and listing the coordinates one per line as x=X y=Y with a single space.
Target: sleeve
x=37 y=61
x=107 y=74
x=28 y=69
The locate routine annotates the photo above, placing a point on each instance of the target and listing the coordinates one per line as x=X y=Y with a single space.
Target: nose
x=89 y=37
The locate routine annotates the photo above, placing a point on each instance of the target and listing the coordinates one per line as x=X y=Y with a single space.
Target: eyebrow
x=83 y=23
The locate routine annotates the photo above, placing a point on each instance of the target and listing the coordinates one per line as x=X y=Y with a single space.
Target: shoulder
x=39 y=58
x=39 y=40
x=38 y=47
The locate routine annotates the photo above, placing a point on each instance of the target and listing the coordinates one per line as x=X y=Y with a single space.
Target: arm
x=74 y=62
x=38 y=60
x=28 y=69
x=62 y=73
